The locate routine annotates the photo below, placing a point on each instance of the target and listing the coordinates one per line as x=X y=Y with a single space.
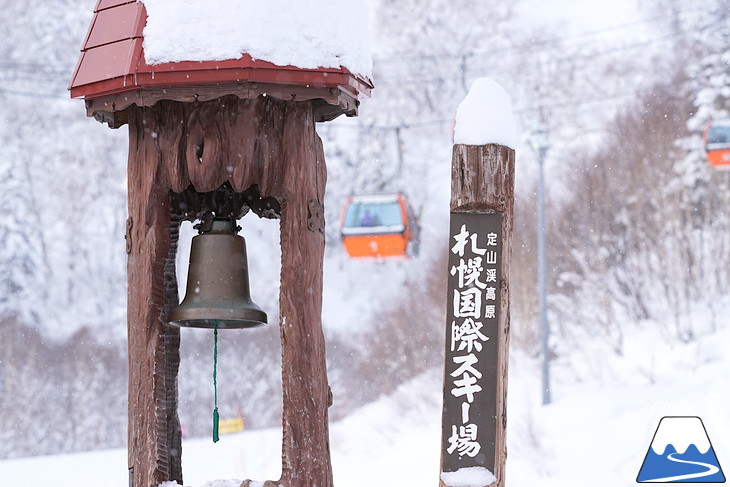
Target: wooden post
x=307 y=396
x=154 y=436
x=194 y=148
x=477 y=323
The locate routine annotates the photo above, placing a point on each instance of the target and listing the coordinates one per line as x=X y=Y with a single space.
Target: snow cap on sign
x=309 y=35
x=468 y=477
x=485 y=116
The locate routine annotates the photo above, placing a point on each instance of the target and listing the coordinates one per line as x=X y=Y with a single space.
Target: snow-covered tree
x=23 y=268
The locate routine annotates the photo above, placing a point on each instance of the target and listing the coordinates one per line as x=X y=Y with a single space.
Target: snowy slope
x=596 y=432
x=606 y=407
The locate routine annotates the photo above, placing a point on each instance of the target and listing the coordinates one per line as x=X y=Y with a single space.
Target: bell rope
x=216 y=417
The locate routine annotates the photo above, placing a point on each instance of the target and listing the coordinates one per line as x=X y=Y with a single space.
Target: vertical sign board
x=470 y=378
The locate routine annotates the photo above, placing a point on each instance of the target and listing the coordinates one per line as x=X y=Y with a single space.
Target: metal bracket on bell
x=207 y=219
x=217 y=287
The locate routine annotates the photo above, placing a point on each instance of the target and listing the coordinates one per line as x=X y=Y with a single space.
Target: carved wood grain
x=154 y=439
x=306 y=452
x=482 y=179
x=197 y=147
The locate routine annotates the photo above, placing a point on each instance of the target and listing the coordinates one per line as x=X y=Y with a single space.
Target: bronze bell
x=217 y=287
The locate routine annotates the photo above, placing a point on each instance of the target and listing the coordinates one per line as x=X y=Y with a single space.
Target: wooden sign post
x=473 y=450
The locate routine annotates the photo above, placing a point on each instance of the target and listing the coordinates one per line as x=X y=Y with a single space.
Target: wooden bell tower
x=198 y=130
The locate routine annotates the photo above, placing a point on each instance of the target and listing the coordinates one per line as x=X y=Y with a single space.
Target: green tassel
x=216 y=418
x=215 y=425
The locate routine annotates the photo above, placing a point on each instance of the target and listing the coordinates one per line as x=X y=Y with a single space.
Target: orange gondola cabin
x=379 y=225
x=717 y=144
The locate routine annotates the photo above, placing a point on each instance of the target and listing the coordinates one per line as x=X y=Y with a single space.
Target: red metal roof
x=112 y=64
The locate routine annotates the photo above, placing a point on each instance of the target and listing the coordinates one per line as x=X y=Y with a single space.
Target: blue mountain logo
x=680 y=452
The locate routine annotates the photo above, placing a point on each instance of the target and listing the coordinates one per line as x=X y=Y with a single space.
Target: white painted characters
x=474 y=301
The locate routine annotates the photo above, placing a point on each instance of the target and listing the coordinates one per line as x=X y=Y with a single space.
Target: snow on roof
x=375 y=198
x=725 y=122
x=312 y=34
x=485 y=116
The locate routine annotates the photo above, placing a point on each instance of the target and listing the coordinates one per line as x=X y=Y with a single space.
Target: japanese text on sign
x=474 y=256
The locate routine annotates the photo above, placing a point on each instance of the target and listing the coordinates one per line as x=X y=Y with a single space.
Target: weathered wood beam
x=307 y=396
x=327 y=103
x=154 y=442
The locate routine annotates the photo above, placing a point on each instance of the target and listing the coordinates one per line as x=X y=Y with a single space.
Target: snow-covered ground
x=595 y=433
x=605 y=407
